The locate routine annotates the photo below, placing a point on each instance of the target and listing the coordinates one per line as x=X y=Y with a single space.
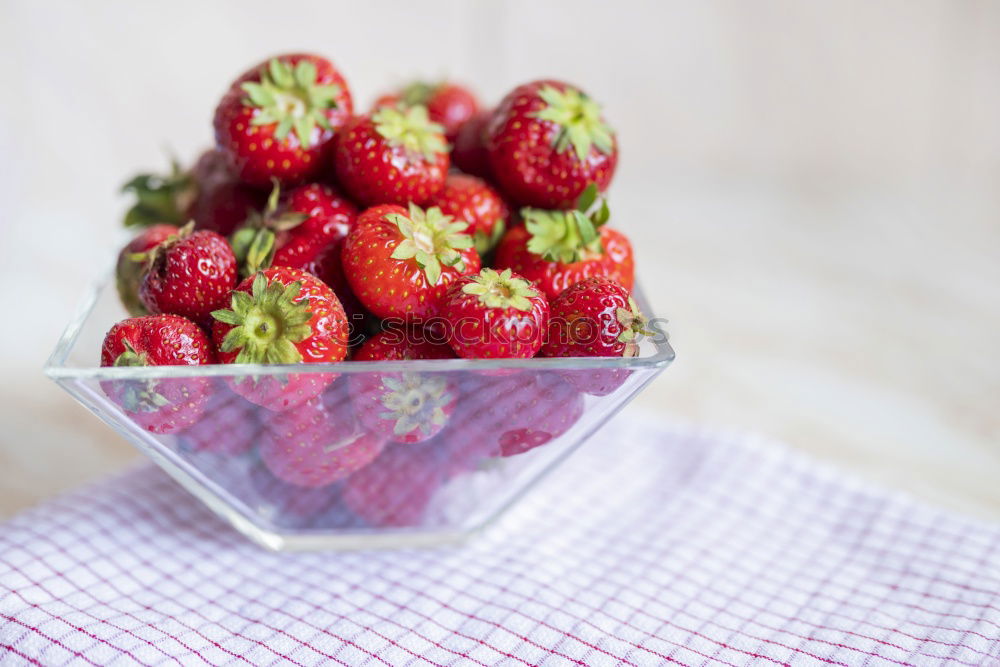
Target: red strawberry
x=397 y=487
x=399 y=263
x=229 y=426
x=391 y=156
x=160 y=406
x=447 y=103
x=469 y=151
x=190 y=274
x=504 y=416
x=327 y=266
x=595 y=317
x=471 y=200
x=209 y=193
x=277 y=119
x=317 y=443
x=285 y=504
x=405 y=407
x=281 y=316
x=547 y=142
x=555 y=249
x=495 y=315
x=129 y=272
x=292 y=232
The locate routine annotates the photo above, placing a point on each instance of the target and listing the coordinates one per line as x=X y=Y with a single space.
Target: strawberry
x=405 y=407
x=327 y=266
x=160 y=406
x=447 y=103
x=281 y=316
x=555 y=249
x=209 y=193
x=397 y=487
x=229 y=426
x=294 y=231
x=469 y=150
x=495 y=315
x=285 y=504
x=471 y=200
x=399 y=263
x=277 y=119
x=595 y=317
x=508 y=415
x=547 y=142
x=317 y=443
x=391 y=156
x=129 y=272
x=189 y=274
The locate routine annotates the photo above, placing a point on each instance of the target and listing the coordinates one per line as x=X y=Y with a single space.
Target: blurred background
x=813 y=190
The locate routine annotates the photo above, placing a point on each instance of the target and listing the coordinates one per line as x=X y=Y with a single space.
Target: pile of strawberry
x=469 y=233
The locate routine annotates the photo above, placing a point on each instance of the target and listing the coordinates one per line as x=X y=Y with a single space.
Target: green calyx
x=579 y=121
x=431 y=239
x=130 y=357
x=411 y=128
x=255 y=242
x=138 y=395
x=288 y=95
x=418 y=92
x=160 y=198
x=633 y=324
x=414 y=401
x=501 y=290
x=266 y=323
x=150 y=257
x=484 y=243
x=568 y=236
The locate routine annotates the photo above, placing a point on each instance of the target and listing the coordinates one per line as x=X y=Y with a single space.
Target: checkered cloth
x=652 y=545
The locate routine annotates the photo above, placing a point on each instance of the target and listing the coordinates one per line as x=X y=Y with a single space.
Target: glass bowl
x=390 y=454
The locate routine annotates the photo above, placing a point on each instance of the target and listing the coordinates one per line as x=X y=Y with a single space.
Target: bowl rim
x=57 y=369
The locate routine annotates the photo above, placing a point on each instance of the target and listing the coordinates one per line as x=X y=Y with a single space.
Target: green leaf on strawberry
x=289 y=96
x=501 y=290
x=431 y=238
x=579 y=120
x=412 y=129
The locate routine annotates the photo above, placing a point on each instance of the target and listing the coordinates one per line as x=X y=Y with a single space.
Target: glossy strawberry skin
x=373 y=171
x=472 y=200
x=525 y=162
x=468 y=151
x=397 y=487
x=398 y=344
x=328 y=267
x=317 y=443
x=160 y=406
x=255 y=153
x=222 y=202
x=392 y=287
x=330 y=218
x=129 y=273
x=190 y=277
x=584 y=320
x=449 y=104
x=327 y=343
x=616 y=262
x=477 y=331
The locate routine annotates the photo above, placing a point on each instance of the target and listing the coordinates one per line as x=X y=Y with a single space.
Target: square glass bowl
x=389 y=454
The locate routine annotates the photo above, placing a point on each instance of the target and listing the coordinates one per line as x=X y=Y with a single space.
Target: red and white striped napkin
x=652 y=545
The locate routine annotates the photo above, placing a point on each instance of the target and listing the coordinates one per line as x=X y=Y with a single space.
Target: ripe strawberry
x=399 y=263
x=471 y=200
x=293 y=230
x=229 y=426
x=129 y=272
x=595 y=317
x=547 y=142
x=281 y=316
x=555 y=249
x=495 y=315
x=447 y=103
x=319 y=442
x=469 y=150
x=391 y=156
x=277 y=119
x=209 y=193
x=327 y=266
x=508 y=415
x=397 y=487
x=190 y=274
x=405 y=407
x=160 y=406
x=285 y=504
